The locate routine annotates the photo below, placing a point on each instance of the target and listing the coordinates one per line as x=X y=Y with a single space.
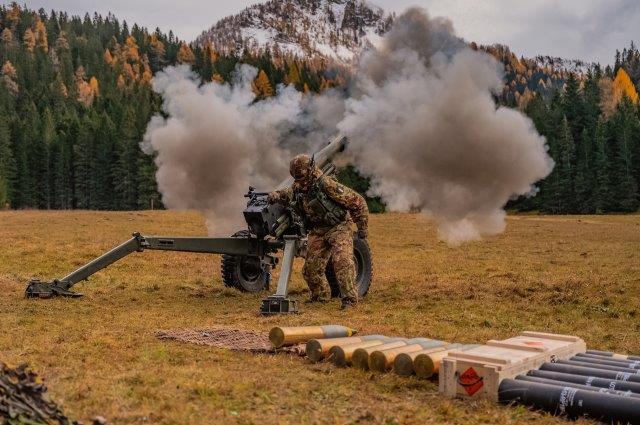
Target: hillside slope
x=333 y=29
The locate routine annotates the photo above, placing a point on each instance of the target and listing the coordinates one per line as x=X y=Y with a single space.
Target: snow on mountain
x=333 y=29
x=575 y=66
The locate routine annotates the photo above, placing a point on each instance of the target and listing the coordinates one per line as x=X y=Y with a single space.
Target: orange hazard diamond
x=471 y=381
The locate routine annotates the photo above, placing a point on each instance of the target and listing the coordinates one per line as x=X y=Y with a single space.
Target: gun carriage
x=248 y=256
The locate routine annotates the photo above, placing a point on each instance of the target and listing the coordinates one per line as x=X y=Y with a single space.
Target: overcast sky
x=581 y=29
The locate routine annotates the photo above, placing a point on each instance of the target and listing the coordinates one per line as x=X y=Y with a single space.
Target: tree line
x=593 y=134
x=76 y=97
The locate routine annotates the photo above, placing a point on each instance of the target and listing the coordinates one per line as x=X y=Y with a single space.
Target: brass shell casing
x=341 y=355
x=281 y=336
x=360 y=356
x=403 y=363
x=382 y=360
x=428 y=364
x=317 y=349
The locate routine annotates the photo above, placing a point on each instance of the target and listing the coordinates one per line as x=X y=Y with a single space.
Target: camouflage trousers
x=337 y=245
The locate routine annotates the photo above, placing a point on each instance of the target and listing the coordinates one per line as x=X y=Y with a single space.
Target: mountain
x=329 y=29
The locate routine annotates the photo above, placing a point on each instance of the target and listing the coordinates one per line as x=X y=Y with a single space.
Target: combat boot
x=348 y=302
x=317 y=298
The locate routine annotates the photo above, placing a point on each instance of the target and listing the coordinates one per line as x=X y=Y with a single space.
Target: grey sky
x=581 y=29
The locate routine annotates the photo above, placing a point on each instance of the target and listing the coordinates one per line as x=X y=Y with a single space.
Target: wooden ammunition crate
x=478 y=372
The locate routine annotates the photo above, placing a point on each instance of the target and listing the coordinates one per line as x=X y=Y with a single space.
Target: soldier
x=329 y=210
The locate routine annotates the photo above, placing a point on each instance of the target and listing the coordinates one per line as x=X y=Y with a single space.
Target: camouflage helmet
x=301 y=167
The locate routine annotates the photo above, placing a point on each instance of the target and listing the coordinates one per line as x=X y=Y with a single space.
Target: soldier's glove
x=363 y=233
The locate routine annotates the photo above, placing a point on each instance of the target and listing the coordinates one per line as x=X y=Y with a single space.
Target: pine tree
x=626 y=189
x=566 y=166
x=7 y=165
x=583 y=182
x=602 y=191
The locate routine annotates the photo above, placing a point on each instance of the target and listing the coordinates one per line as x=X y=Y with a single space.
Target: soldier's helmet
x=301 y=167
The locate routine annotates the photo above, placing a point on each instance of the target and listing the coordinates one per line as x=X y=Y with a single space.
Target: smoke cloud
x=215 y=142
x=423 y=124
x=420 y=117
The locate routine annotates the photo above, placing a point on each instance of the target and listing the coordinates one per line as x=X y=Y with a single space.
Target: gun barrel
x=323 y=156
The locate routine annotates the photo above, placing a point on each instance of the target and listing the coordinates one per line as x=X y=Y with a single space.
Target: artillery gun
x=248 y=256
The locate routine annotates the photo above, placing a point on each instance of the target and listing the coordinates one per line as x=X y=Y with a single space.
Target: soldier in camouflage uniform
x=329 y=210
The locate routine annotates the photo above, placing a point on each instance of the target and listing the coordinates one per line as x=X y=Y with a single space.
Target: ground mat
x=231 y=339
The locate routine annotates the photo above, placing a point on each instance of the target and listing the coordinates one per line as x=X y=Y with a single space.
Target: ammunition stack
x=551 y=372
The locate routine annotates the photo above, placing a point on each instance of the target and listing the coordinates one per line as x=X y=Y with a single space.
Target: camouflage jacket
x=345 y=198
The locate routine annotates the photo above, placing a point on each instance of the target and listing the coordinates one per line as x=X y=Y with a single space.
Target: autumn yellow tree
x=157 y=46
x=13 y=15
x=130 y=50
x=623 y=86
x=217 y=78
x=147 y=75
x=293 y=76
x=612 y=92
x=87 y=91
x=6 y=37
x=40 y=33
x=108 y=57
x=261 y=86
x=9 y=78
x=185 y=54
x=29 y=39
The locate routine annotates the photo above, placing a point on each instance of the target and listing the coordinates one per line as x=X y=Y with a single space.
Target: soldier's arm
x=282 y=196
x=351 y=200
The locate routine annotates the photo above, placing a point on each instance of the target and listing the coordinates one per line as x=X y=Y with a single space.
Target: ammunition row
x=407 y=356
x=599 y=385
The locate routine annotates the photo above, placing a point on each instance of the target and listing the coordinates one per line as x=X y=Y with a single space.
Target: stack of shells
x=337 y=344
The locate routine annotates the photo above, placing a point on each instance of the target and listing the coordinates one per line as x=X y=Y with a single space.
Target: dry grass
x=575 y=275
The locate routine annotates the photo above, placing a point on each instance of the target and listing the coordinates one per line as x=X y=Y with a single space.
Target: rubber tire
x=232 y=274
x=364 y=269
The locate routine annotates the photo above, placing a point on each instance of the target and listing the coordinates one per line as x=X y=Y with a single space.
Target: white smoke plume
x=215 y=142
x=423 y=124
x=421 y=121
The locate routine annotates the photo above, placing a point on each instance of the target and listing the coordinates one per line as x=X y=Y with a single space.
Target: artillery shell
x=403 y=363
x=360 y=356
x=382 y=360
x=281 y=336
x=341 y=355
x=428 y=364
x=317 y=349
x=571 y=401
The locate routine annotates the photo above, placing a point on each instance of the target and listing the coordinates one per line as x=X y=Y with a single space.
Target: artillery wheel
x=243 y=272
x=364 y=269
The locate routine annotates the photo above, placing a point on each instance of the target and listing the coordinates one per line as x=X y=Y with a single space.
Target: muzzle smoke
x=423 y=124
x=216 y=141
x=421 y=121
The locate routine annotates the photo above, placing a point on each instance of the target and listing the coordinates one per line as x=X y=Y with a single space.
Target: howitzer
x=248 y=256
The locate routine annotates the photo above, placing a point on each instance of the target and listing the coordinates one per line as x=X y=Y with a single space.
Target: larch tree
x=29 y=40
x=185 y=54
x=261 y=86
x=40 y=33
x=623 y=86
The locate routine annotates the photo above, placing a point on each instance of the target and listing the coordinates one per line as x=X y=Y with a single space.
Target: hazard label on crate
x=471 y=381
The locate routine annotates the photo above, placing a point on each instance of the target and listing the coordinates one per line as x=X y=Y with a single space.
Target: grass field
x=99 y=356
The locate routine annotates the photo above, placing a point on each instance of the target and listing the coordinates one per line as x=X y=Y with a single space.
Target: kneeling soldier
x=329 y=210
